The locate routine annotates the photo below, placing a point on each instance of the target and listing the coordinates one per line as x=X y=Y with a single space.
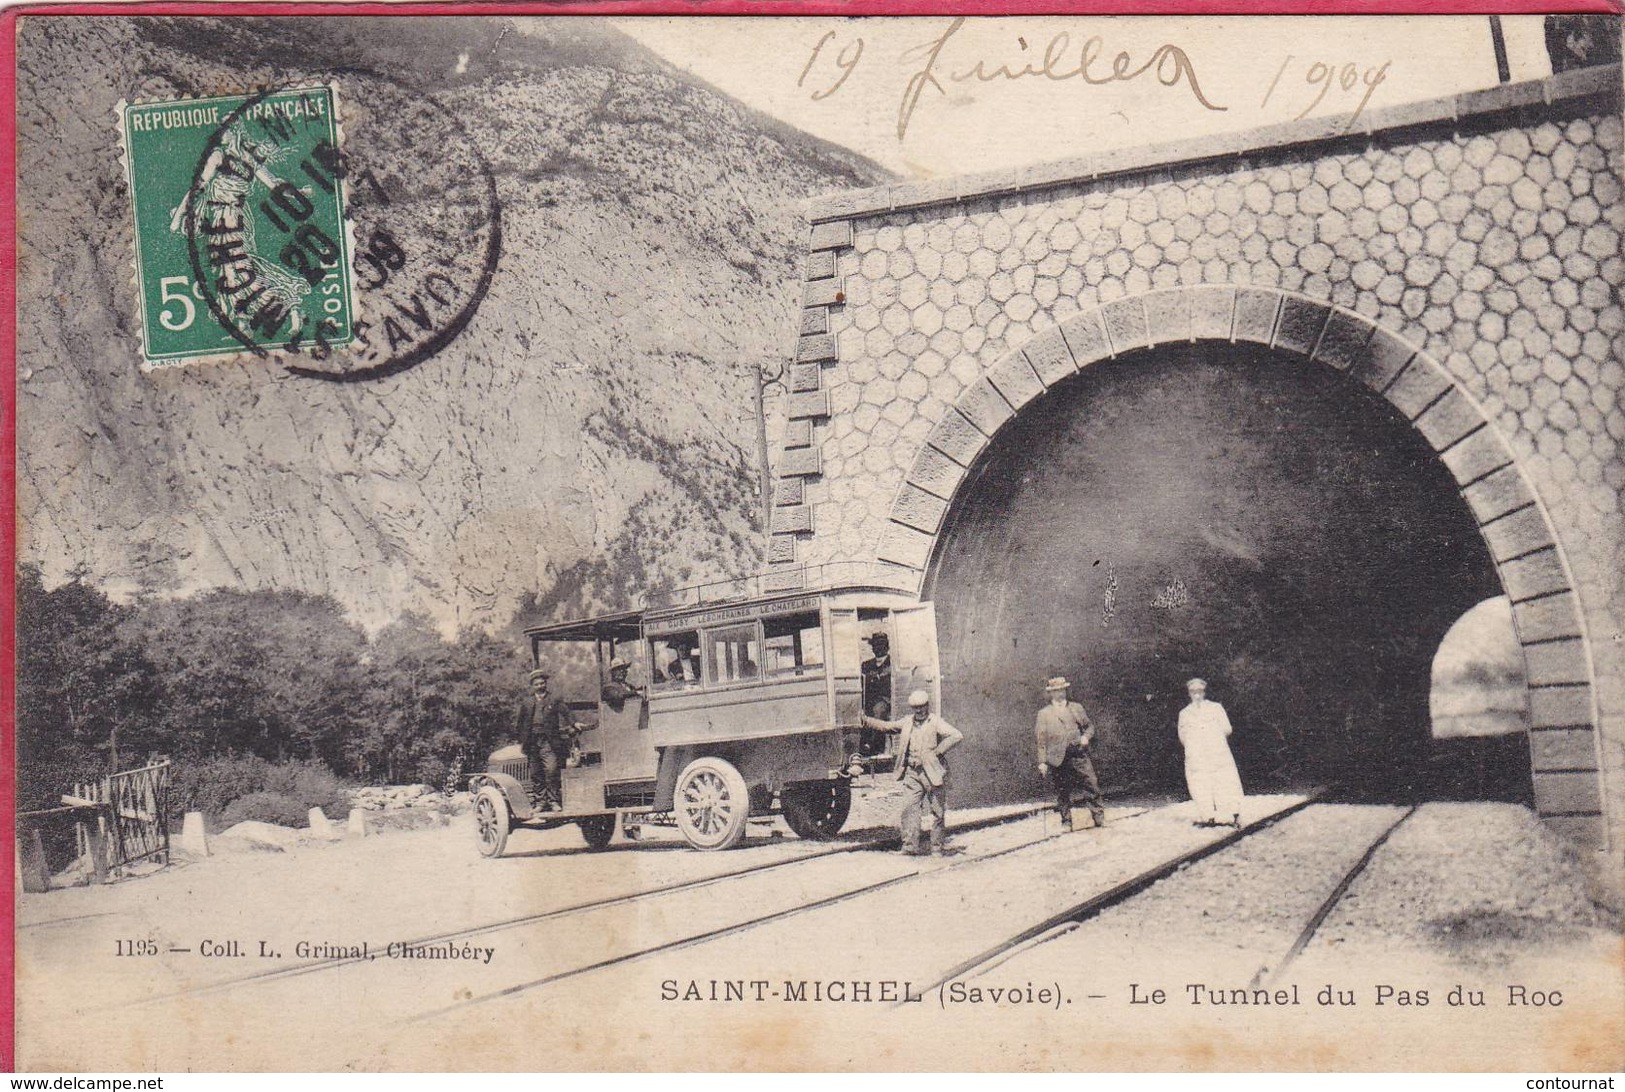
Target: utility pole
x=1503 y=70
x=763 y=468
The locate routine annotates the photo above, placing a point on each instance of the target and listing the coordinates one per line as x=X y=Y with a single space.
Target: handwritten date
x=1346 y=78
x=1062 y=59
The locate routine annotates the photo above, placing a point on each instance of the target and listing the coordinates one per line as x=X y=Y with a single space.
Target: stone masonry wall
x=1484 y=230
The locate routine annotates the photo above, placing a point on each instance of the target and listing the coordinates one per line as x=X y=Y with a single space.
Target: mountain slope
x=593 y=420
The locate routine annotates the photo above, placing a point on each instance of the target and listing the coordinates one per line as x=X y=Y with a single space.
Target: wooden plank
x=57 y=813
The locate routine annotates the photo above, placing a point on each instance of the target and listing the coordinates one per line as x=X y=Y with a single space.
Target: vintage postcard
x=549 y=542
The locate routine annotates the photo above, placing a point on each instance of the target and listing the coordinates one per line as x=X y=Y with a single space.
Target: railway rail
x=878 y=842
x=1080 y=911
x=707 y=936
x=592 y=937
x=1267 y=976
x=1252 y=907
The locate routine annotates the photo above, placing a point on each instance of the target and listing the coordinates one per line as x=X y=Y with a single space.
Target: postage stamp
x=240 y=235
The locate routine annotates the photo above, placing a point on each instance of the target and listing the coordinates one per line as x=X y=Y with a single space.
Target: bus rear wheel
x=712 y=803
x=816 y=810
x=597 y=830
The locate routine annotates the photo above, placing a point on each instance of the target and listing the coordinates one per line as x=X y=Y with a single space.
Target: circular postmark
x=346 y=252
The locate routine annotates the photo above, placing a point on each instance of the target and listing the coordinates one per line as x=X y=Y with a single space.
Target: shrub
x=42 y=780
x=432 y=770
x=210 y=784
x=213 y=785
x=315 y=786
x=312 y=785
x=265 y=807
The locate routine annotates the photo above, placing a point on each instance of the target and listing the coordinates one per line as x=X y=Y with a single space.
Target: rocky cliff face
x=589 y=434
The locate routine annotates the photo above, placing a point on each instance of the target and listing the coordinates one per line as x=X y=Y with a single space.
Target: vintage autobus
x=750 y=706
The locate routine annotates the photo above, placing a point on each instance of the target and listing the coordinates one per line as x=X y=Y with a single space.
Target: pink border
x=8 y=225
x=8 y=533
x=829 y=8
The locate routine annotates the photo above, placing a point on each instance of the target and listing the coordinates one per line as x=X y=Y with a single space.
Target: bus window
x=676 y=659
x=794 y=645
x=733 y=654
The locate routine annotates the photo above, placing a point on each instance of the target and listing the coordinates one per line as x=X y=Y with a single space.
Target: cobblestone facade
x=1463 y=257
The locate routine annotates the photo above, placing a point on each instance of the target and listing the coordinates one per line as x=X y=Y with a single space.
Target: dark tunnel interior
x=1224 y=511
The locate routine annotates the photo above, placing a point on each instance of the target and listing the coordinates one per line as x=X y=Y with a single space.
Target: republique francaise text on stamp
x=239 y=224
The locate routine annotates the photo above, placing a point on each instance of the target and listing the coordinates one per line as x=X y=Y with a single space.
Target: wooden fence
x=135 y=813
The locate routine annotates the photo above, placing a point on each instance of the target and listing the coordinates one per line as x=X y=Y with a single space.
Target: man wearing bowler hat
x=924 y=739
x=876 y=670
x=1064 y=734
x=545 y=729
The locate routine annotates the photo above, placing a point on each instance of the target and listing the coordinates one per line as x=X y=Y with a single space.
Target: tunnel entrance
x=1225 y=511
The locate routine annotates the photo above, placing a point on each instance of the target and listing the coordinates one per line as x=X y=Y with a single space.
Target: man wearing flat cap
x=545 y=728
x=924 y=741
x=1064 y=734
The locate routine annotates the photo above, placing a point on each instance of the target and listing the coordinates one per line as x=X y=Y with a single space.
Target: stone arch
x=1522 y=542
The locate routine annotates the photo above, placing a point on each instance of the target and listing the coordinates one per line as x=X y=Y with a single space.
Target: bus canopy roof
x=615 y=627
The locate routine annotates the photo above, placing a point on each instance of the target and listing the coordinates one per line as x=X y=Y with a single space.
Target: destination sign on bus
x=720 y=615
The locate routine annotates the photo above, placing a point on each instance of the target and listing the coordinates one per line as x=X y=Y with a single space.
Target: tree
x=280 y=675
x=430 y=700
x=85 y=689
x=274 y=673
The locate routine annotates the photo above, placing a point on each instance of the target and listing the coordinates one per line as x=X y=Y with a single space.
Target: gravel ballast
x=1476 y=883
x=1238 y=911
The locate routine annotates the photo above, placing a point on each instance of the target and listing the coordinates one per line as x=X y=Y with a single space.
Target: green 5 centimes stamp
x=241 y=238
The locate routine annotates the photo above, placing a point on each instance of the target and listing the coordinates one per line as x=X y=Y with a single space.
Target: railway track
x=946 y=873
x=787 y=918
x=846 y=894
x=1268 y=975
x=889 y=841
x=1065 y=921
x=778 y=913
x=1019 y=903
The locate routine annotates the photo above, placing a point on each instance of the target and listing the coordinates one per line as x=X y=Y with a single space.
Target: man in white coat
x=1210 y=771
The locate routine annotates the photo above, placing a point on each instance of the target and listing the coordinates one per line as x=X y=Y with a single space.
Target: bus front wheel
x=712 y=803
x=491 y=821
